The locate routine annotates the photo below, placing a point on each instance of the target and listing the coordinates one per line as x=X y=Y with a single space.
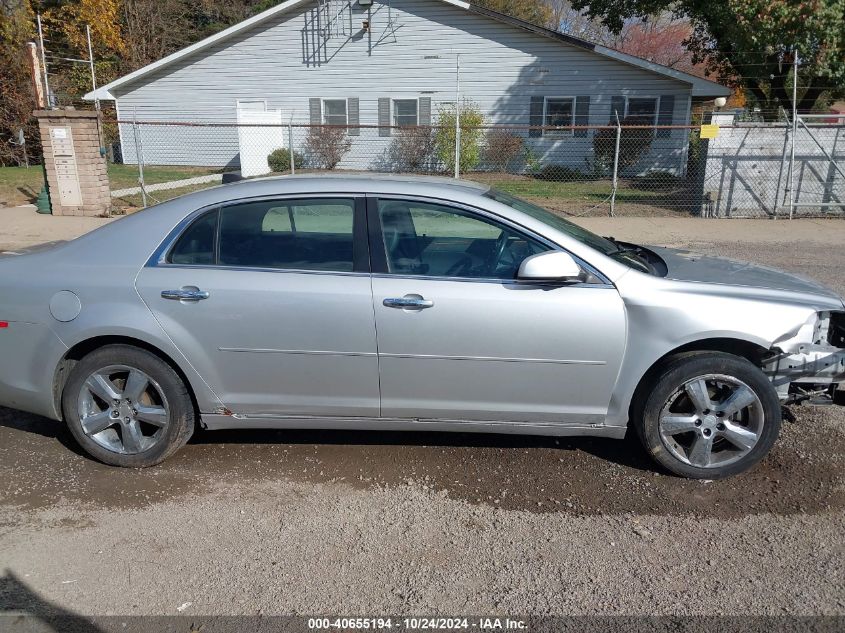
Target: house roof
x=701 y=88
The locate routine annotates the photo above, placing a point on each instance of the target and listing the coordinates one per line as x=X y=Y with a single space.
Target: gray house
x=382 y=63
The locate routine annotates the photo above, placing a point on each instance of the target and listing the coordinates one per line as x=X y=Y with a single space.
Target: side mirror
x=552 y=266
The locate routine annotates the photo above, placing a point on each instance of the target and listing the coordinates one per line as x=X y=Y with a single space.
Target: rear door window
x=311 y=234
x=293 y=234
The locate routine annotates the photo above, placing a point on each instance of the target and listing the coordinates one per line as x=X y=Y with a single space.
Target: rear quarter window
x=197 y=244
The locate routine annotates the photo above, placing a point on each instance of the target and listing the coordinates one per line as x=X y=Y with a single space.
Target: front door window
x=434 y=240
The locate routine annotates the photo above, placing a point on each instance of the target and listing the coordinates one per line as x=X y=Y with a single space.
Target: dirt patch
x=40 y=465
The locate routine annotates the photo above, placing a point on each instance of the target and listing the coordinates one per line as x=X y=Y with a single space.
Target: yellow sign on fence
x=709 y=131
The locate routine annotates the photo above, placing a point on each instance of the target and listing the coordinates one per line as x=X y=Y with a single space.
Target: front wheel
x=709 y=415
x=127 y=407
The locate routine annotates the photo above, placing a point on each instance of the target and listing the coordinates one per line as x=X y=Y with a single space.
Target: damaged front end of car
x=808 y=365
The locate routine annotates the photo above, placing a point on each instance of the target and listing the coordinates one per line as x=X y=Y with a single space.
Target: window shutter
x=582 y=114
x=384 y=116
x=424 y=111
x=315 y=106
x=617 y=106
x=664 y=115
x=536 y=117
x=353 y=116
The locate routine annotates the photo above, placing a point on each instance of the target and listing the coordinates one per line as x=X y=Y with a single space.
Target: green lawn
x=125 y=176
x=592 y=197
x=591 y=190
x=134 y=201
x=19 y=185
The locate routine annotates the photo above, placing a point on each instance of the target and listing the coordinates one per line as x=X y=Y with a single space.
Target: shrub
x=502 y=148
x=412 y=149
x=471 y=136
x=634 y=143
x=279 y=160
x=327 y=145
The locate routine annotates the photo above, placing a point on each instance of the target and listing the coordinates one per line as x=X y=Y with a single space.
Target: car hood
x=687 y=266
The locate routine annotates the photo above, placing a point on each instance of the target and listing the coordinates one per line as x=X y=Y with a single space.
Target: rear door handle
x=185 y=294
x=408 y=302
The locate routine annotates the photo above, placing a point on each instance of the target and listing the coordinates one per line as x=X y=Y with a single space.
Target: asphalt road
x=368 y=523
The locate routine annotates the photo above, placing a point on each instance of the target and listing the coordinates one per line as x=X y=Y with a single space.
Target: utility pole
x=91 y=63
x=44 y=63
x=35 y=75
x=94 y=86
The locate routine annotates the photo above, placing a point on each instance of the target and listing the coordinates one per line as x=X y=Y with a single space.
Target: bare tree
x=576 y=23
x=152 y=29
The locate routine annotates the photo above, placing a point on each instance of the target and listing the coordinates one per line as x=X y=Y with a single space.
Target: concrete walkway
x=670 y=231
x=22 y=226
x=173 y=184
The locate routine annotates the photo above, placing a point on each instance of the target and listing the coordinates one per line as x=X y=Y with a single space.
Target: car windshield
x=555 y=221
x=607 y=246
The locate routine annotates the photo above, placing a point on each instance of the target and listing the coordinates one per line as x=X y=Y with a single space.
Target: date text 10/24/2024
x=417 y=624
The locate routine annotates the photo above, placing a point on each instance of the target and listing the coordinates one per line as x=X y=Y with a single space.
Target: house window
x=405 y=112
x=334 y=111
x=559 y=112
x=643 y=109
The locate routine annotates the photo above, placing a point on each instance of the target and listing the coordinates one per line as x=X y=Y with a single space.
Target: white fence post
x=615 y=167
x=290 y=150
x=139 y=151
x=458 y=116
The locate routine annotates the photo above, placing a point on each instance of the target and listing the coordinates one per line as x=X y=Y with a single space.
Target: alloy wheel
x=711 y=421
x=123 y=409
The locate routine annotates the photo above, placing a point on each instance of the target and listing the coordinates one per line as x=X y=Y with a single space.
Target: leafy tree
x=64 y=27
x=70 y=18
x=471 y=136
x=752 y=42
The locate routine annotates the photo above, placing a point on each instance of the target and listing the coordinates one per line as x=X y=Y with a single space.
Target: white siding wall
x=501 y=68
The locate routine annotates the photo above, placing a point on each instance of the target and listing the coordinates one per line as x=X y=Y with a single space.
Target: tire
x=127 y=432
x=684 y=435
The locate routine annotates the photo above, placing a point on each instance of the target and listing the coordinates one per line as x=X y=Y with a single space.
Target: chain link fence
x=745 y=171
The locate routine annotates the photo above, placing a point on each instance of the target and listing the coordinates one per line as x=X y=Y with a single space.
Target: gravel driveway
x=377 y=523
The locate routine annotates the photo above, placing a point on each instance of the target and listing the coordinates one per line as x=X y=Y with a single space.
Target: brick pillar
x=76 y=171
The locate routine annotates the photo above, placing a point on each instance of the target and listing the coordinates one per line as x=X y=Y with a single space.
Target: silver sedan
x=405 y=303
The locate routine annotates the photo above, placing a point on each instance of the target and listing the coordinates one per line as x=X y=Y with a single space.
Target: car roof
x=311 y=184
x=315 y=184
x=365 y=182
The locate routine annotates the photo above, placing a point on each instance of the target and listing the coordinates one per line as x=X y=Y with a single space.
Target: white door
x=255 y=141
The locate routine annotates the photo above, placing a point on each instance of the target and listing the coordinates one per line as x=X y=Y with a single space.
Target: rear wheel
x=127 y=407
x=709 y=415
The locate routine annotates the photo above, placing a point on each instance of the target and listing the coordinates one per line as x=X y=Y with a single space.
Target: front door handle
x=408 y=302
x=185 y=294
